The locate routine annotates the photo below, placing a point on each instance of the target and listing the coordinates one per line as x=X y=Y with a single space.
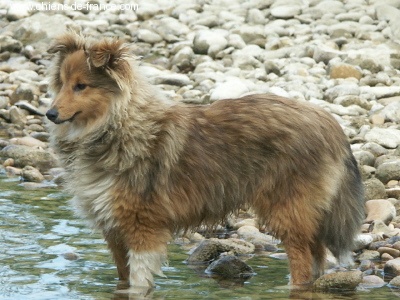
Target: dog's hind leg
x=119 y=251
x=319 y=255
x=300 y=262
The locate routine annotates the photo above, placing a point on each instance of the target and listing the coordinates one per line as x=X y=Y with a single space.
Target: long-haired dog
x=142 y=168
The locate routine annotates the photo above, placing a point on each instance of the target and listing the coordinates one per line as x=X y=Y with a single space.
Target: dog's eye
x=79 y=87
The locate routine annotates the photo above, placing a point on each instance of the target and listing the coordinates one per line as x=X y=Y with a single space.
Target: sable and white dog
x=141 y=168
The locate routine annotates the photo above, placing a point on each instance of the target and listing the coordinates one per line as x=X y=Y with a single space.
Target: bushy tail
x=343 y=222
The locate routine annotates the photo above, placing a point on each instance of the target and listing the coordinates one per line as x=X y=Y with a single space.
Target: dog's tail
x=343 y=222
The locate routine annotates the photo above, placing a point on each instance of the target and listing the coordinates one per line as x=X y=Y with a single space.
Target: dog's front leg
x=119 y=250
x=147 y=254
x=142 y=266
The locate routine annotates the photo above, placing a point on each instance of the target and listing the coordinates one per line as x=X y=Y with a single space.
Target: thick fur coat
x=141 y=168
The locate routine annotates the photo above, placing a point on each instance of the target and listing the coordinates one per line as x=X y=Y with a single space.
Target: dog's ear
x=68 y=43
x=107 y=53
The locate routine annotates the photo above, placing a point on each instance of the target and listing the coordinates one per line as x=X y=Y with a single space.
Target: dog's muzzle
x=52 y=115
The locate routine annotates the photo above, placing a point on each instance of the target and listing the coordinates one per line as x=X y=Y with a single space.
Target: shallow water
x=47 y=253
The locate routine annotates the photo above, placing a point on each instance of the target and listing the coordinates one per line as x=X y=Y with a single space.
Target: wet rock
x=392 y=268
x=372 y=281
x=340 y=280
x=71 y=256
x=28 y=156
x=391 y=251
x=211 y=249
x=395 y=282
x=230 y=267
x=366 y=265
x=32 y=174
x=380 y=210
x=369 y=255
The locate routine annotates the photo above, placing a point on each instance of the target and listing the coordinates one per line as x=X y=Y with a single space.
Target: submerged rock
x=230 y=267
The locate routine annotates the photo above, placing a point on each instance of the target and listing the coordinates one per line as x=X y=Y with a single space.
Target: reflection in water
x=47 y=253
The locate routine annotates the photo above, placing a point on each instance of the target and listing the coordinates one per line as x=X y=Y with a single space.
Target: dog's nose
x=52 y=114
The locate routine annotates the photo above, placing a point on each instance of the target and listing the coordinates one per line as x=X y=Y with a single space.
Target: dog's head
x=87 y=76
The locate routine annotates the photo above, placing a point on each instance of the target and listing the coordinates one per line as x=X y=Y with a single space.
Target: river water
x=48 y=253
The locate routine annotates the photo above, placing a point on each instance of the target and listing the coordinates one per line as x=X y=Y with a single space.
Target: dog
x=142 y=168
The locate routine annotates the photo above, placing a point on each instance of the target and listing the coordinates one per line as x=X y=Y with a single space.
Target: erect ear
x=68 y=43
x=107 y=53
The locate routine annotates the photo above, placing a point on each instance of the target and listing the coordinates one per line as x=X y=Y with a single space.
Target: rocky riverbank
x=342 y=56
